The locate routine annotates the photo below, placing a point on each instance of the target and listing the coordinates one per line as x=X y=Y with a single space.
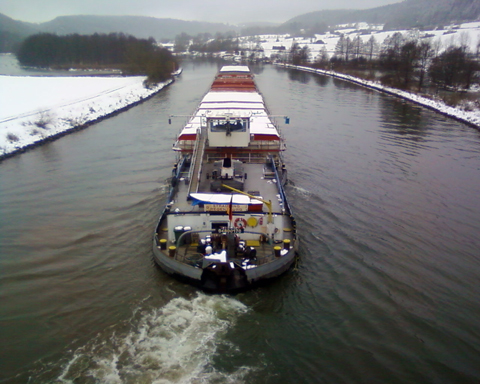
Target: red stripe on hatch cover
x=266 y=137
x=189 y=136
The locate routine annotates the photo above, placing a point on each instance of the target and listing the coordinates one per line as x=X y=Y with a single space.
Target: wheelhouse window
x=228 y=125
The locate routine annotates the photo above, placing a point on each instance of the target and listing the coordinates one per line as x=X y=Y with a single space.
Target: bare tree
x=453 y=68
x=393 y=43
x=322 y=57
x=305 y=54
x=294 y=54
x=348 y=48
x=464 y=41
x=371 y=48
x=391 y=50
x=437 y=47
x=409 y=55
x=357 y=47
x=341 y=48
x=425 y=55
x=297 y=55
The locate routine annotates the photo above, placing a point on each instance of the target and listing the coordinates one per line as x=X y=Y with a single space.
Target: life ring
x=240 y=222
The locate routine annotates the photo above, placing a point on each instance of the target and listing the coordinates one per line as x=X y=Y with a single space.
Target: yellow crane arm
x=267 y=203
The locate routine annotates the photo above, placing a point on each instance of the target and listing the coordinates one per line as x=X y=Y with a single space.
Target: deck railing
x=196 y=165
x=257 y=158
x=187 y=252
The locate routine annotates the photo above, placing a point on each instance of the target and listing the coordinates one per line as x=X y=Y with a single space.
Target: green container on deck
x=178 y=230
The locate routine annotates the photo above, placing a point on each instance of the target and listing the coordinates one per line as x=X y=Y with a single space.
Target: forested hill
x=402 y=15
x=12 y=32
x=429 y=13
x=139 y=26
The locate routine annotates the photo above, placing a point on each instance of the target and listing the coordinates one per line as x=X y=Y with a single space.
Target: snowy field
x=32 y=109
x=463 y=34
x=467 y=33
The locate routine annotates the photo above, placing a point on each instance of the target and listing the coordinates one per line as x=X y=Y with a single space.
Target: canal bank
x=471 y=118
x=37 y=110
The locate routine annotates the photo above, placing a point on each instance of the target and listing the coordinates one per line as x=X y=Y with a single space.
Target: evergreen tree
x=132 y=55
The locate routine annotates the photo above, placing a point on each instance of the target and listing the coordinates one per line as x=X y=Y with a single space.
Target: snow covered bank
x=38 y=109
x=469 y=117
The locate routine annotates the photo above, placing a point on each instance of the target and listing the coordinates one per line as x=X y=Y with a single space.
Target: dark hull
x=226 y=279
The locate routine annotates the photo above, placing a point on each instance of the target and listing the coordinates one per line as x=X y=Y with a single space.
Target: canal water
x=387 y=200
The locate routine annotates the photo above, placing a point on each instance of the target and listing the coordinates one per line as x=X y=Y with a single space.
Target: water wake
x=173 y=344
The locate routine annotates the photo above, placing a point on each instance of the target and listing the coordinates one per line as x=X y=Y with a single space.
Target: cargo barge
x=227 y=225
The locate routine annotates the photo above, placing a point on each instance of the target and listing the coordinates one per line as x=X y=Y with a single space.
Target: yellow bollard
x=277 y=250
x=163 y=244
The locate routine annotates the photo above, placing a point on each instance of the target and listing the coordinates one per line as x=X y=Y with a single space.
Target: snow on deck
x=232 y=100
x=244 y=97
x=235 y=68
x=230 y=103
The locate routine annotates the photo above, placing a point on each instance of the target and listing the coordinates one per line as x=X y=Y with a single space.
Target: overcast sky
x=231 y=12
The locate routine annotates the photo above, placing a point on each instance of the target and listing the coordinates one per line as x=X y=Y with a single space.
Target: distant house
x=169 y=46
x=278 y=48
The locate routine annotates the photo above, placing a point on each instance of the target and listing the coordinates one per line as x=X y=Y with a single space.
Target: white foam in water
x=173 y=344
x=301 y=190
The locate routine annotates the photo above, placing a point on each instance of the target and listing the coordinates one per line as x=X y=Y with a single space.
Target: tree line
x=405 y=61
x=114 y=51
x=206 y=42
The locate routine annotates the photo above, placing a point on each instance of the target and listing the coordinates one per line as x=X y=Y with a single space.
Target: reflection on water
x=323 y=81
x=302 y=77
x=404 y=119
